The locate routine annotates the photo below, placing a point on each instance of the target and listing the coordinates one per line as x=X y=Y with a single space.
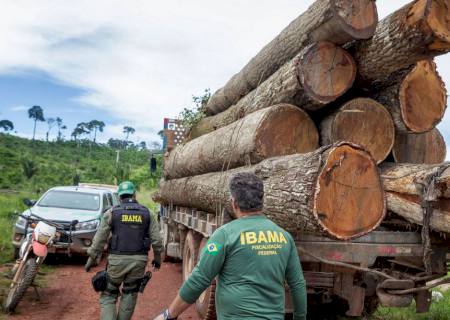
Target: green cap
x=126 y=187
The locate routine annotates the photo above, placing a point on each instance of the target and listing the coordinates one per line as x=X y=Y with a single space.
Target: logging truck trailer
x=352 y=277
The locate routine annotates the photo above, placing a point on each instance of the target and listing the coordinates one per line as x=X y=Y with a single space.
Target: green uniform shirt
x=104 y=230
x=253 y=258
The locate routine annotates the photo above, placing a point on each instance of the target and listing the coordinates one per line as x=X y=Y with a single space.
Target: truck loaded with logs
x=338 y=116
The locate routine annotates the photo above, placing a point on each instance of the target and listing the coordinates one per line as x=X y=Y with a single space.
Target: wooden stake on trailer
x=318 y=75
x=334 y=191
x=274 y=131
x=338 y=21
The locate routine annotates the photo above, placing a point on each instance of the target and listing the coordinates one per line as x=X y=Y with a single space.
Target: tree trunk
x=319 y=74
x=420 y=30
x=338 y=21
x=417 y=98
x=275 y=131
x=404 y=186
x=425 y=148
x=361 y=121
x=34 y=129
x=335 y=191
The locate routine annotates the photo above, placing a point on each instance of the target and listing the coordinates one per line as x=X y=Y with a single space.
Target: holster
x=100 y=281
x=144 y=280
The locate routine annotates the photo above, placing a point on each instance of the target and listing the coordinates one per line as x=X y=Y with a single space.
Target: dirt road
x=68 y=295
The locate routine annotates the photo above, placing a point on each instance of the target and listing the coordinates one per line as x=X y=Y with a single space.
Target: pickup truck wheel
x=206 y=304
x=190 y=251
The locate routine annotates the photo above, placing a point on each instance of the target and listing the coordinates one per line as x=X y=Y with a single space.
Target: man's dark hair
x=247 y=189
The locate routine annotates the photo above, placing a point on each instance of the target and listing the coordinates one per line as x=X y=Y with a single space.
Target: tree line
x=87 y=130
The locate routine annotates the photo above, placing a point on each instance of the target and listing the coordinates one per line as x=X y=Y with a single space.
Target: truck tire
x=190 y=252
x=206 y=304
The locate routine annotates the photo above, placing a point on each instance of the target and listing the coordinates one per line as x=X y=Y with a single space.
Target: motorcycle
x=32 y=254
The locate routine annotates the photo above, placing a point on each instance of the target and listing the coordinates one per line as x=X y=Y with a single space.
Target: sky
x=133 y=62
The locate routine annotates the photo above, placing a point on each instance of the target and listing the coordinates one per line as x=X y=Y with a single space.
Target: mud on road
x=68 y=295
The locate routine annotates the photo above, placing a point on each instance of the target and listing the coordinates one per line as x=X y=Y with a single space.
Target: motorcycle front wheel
x=17 y=291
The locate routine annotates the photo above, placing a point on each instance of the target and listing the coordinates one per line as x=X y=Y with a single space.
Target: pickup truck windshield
x=71 y=200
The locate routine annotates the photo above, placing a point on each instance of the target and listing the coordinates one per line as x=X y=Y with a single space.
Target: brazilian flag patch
x=213 y=248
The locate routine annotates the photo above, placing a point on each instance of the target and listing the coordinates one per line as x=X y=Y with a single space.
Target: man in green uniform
x=252 y=258
x=131 y=229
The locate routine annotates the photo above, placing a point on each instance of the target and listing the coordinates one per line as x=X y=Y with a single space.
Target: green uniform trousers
x=125 y=271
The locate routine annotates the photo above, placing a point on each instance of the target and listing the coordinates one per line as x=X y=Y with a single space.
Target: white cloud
x=19 y=108
x=143 y=60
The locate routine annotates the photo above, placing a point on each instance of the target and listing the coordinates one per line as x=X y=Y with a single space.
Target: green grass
x=144 y=196
x=10 y=205
x=37 y=166
x=440 y=310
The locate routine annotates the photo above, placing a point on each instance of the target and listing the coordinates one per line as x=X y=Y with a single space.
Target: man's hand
x=156 y=263
x=89 y=264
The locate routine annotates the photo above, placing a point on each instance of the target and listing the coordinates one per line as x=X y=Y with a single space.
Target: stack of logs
x=337 y=115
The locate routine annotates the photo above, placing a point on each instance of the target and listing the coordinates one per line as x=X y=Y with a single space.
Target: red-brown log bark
x=275 y=131
x=405 y=184
x=318 y=75
x=338 y=21
x=420 y=30
x=335 y=191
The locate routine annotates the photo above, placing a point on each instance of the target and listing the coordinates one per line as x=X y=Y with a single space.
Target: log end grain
x=326 y=71
x=349 y=199
x=439 y=21
x=435 y=15
x=364 y=122
x=358 y=18
x=422 y=97
x=422 y=148
x=285 y=130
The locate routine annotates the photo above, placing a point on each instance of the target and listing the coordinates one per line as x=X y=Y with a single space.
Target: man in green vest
x=132 y=229
x=252 y=259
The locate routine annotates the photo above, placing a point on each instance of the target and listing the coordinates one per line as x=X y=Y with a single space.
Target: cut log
x=417 y=99
x=362 y=121
x=338 y=21
x=404 y=186
x=425 y=148
x=275 y=131
x=319 y=74
x=420 y=30
x=335 y=191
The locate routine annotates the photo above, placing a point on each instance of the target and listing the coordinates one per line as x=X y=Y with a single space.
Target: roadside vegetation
x=28 y=168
